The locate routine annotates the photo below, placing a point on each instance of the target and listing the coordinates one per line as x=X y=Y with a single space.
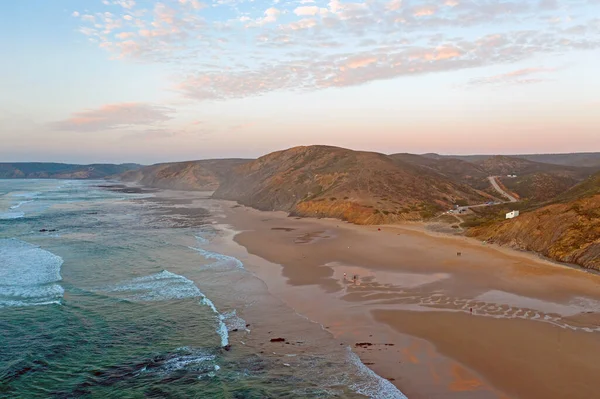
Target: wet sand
x=490 y=323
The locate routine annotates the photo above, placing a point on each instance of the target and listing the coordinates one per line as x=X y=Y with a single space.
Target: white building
x=512 y=214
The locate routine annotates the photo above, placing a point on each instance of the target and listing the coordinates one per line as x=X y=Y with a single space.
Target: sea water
x=107 y=294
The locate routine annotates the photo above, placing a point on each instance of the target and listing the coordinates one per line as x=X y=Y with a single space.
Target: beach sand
x=490 y=323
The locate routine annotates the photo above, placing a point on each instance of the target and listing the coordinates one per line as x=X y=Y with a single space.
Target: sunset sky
x=145 y=81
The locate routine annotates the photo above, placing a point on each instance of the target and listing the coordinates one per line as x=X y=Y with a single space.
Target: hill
x=360 y=187
x=500 y=165
x=583 y=159
x=204 y=175
x=539 y=187
x=567 y=230
x=49 y=170
x=455 y=169
x=579 y=159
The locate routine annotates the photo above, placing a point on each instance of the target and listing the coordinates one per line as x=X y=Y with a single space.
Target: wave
x=27 y=194
x=188 y=359
x=165 y=286
x=368 y=383
x=157 y=287
x=221 y=261
x=11 y=215
x=29 y=275
x=20 y=203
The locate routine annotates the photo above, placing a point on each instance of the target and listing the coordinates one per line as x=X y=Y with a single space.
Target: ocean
x=109 y=292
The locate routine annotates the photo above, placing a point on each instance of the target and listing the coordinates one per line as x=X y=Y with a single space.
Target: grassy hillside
x=583 y=159
x=454 y=169
x=539 y=187
x=361 y=187
x=568 y=230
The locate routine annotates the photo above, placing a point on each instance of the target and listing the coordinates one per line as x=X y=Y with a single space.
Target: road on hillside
x=497 y=187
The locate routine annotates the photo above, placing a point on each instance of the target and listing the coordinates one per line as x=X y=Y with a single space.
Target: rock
x=227 y=348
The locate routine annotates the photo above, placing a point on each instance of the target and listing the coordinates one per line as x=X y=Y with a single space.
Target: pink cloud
x=519 y=76
x=361 y=62
x=111 y=116
x=306 y=10
x=424 y=11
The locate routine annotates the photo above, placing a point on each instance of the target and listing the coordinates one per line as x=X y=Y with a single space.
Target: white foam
x=221 y=328
x=28 y=274
x=183 y=362
x=27 y=194
x=158 y=287
x=20 y=203
x=368 y=383
x=222 y=261
x=233 y=321
x=11 y=215
x=165 y=286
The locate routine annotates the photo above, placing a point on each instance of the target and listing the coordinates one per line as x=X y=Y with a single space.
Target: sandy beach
x=438 y=316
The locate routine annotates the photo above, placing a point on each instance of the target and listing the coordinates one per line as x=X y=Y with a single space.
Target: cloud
x=303 y=45
x=394 y=5
x=356 y=68
x=307 y=11
x=519 y=76
x=424 y=11
x=127 y=4
x=112 y=116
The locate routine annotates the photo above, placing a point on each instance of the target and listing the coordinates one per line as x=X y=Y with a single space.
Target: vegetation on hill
x=568 y=230
x=539 y=187
x=361 y=187
x=454 y=169
x=584 y=159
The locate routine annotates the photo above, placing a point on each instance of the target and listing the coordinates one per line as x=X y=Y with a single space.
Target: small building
x=512 y=214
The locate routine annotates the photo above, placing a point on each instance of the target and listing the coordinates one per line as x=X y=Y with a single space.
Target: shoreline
x=413 y=226
x=289 y=281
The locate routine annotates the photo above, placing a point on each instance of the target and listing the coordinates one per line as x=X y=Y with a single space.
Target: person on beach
x=344 y=276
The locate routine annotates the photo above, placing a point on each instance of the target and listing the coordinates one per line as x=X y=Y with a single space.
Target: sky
x=87 y=81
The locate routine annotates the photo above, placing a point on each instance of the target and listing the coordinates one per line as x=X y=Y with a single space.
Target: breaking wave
x=170 y=286
x=29 y=275
x=220 y=261
x=368 y=383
